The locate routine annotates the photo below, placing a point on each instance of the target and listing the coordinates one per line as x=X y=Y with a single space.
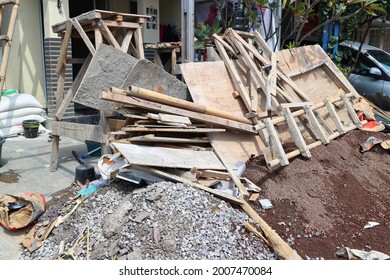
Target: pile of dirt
x=323 y=203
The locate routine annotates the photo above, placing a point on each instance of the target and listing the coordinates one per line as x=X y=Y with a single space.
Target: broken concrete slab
x=148 y=75
x=111 y=67
x=108 y=67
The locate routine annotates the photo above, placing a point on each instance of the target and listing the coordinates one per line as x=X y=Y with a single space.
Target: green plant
x=204 y=33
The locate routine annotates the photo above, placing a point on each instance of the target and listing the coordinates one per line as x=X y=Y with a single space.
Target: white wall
x=52 y=15
x=150 y=35
x=25 y=70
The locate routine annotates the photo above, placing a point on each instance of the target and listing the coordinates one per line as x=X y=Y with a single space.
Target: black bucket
x=30 y=128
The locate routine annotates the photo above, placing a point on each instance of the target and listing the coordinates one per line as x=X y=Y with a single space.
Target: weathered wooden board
x=300 y=58
x=209 y=84
x=109 y=67
x=78 y=131
x=169 y=157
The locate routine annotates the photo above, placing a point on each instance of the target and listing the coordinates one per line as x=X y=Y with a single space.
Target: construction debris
x=225 y=113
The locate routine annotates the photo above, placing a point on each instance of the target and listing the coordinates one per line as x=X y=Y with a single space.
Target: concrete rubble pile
x=161 y=221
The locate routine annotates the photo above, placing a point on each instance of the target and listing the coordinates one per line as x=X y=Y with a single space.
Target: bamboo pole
x=168 y=100
x=7 y=46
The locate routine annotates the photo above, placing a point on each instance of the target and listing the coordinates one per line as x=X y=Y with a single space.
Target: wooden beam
x=83 y=35
x=72 y=90
x=127 y=40
x=61 y=63
x=108 y=35
x=274 y=239
x=173 y=130
x=157 y=139
x=177 y=102
x=78 y=131
x=139 y=46
x=182 y=112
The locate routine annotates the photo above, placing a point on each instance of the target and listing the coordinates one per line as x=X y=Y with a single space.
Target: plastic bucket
x=30 y=128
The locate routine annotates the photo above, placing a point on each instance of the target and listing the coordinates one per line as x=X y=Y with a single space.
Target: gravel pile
x=164 y=221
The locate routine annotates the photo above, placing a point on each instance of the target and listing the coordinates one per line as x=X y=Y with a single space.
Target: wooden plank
x=208 y=83
x=175 y=178
x=174 y=130
x=182 y=112
x=214 y=174
x=274 y=239
x=177 y=102
x=72 y=90
x=351 y=111
x=296 y=133
x=78 y=131
x=157 y=139
x=272 y=74
x=334 y=116
x=169 y=157
x=174 y=118
x=127 y=40
x=83 y=35
x=139 y=44
x=235 y=78
x=275 y=143
x=61 y=63
x=87 y=17
x=316 y=127
x=98 y=37
x=262 y=44
x=55 y=146
x=108 y=35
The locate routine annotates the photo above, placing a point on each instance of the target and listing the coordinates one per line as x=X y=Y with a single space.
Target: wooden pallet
x=6 y=40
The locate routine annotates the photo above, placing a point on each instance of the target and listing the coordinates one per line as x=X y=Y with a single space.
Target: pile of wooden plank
x=271 y=86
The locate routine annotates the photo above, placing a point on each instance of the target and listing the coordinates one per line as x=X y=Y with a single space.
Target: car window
x=381 y=56
x=363 y=66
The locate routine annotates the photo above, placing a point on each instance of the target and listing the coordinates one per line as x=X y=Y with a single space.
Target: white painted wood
x=169 y=157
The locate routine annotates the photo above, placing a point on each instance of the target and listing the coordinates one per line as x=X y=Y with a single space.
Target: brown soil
x=322 y=204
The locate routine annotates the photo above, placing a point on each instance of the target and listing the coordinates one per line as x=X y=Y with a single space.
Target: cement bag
x=22 y=112
x=20 y=210
x=18 y=121
x=18 y=101
x=13 y=130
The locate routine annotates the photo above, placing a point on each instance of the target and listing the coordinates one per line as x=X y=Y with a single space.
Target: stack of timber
x=165 y=138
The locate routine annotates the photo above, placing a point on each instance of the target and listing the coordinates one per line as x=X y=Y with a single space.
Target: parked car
x=371 y=76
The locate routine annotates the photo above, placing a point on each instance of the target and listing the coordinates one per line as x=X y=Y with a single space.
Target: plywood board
x=292 y=60
x=169 y=157
x=209 y=84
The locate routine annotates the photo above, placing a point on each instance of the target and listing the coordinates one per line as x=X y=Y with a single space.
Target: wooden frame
x=94 y=28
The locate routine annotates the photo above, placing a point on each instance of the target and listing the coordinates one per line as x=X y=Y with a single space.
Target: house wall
x=24 y=71
x=150 y=35
x=53 y=15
